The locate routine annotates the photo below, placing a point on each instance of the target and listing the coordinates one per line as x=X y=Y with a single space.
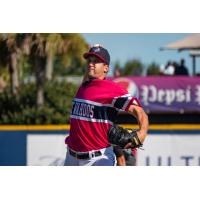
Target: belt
x=84 y=155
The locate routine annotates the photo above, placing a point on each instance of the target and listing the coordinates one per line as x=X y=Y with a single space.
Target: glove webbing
x=135 y=139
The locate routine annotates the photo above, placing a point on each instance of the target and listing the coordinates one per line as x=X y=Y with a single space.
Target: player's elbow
x=142 y=117
x=146 y=119
x=143 y=123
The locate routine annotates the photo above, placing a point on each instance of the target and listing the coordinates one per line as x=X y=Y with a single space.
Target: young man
x=94 y=110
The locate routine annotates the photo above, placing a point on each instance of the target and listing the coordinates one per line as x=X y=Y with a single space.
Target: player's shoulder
x=112 y=84
x=115 y=87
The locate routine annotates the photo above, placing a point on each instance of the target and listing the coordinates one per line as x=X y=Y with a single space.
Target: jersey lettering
x=83 y=110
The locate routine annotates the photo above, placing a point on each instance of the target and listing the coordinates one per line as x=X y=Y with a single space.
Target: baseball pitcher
x=95 y=107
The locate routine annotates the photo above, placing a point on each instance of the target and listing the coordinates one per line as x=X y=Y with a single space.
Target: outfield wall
x=166 y=145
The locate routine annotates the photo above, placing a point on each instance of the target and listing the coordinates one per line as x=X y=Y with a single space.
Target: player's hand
x=125 y=138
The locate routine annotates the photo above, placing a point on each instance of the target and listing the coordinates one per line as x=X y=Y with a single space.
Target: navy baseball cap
x=99 y=52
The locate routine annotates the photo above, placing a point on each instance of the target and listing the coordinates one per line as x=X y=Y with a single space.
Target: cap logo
x=97 y=49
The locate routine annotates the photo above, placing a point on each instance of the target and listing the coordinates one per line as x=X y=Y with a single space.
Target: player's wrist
x=141 y=135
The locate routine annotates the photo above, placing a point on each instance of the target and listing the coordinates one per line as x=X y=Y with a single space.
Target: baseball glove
x=121 y=137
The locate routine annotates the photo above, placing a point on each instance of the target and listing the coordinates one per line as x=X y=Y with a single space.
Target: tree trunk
x=49 y=67
x=13 y=69
x=40 y=78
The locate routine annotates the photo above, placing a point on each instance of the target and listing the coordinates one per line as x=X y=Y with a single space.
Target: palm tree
x=43 y=51
x=12 y=46
x=38 y=59
x=68 y=46
x=55 y=44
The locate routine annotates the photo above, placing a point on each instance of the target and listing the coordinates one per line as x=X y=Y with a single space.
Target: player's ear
x=106 y=68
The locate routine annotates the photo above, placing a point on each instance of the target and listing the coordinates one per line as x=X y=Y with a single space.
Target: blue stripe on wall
x=13 y=149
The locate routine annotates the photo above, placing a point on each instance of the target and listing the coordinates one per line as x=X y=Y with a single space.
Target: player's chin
x=91 y=74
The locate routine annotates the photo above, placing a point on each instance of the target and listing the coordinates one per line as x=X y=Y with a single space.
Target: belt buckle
x=92 y=154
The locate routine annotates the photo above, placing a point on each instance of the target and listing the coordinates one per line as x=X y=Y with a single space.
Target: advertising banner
x=170 y=150
x=164 y=94
x=44 y=150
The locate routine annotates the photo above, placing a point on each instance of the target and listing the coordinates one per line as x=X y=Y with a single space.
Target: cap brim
x=86 y=55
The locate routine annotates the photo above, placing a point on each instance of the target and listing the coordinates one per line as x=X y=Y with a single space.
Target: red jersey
x=94 y=110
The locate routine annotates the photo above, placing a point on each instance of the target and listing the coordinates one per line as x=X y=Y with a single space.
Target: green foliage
x=23 y=109
x=25 y=68
x=133 y=67
x=4 y=74
x=74 y=67
x=153 y=69
x=117 y=65
x=117 y=69
x=72 y=61
x=34 y=53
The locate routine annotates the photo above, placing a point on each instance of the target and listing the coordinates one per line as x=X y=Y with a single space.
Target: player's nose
x=91 y=64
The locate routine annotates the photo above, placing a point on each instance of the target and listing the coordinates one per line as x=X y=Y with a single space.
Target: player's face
x=96 y=68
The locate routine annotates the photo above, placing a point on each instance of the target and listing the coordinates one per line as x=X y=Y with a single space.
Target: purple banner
x=164 y=94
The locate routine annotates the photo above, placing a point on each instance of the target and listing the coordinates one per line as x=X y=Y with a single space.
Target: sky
x=143 y=46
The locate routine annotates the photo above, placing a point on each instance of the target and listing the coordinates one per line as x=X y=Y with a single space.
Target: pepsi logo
x=128 y=85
